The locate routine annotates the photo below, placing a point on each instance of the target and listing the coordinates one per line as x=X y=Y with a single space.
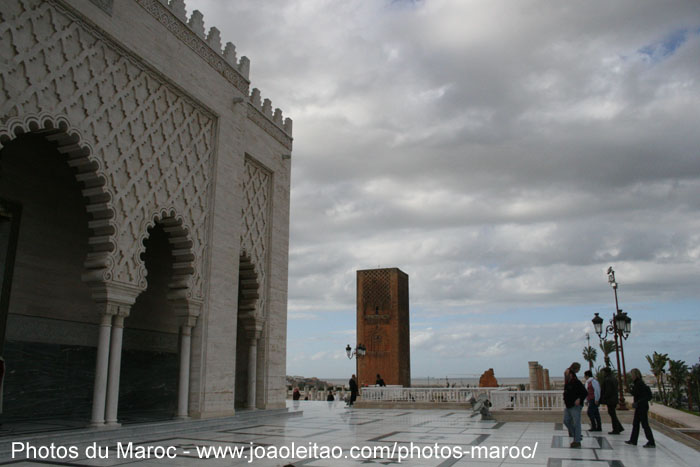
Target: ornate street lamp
x=619 y=326
x=360 y=351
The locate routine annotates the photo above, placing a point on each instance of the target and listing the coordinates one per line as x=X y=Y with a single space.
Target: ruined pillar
x=532 y=367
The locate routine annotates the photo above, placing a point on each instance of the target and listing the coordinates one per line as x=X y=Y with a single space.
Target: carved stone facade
x=255 y=213
x=161 y=134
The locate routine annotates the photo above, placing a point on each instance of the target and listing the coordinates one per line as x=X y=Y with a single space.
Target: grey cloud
x=483 y=147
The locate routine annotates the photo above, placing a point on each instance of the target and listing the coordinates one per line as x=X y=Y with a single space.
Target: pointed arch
x=248 y=286
x=89 y=173
x=183 y=255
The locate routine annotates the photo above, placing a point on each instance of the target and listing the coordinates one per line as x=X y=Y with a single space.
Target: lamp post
x=358 y=352
x=619 y=326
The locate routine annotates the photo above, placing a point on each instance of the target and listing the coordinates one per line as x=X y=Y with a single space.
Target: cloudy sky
x=503 y=154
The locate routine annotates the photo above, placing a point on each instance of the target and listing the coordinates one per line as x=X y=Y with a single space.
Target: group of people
x=593 y=393
x=354 y=390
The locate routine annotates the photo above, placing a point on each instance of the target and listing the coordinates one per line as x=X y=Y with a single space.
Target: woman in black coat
x=642 y=396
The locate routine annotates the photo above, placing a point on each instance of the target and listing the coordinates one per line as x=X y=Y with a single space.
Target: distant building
x=383 y=326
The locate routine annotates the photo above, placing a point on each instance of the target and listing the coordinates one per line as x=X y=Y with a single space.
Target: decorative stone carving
x=178 y=7
x=214 y=39
x=376 y=292
x=143 y=149
x=255 y=214
x=192 y=34
x=173 y=19
x=105 y=5
x=488 y=380
x=260 y=113
x=196 y=23
x=230 y=53
x=267 y=108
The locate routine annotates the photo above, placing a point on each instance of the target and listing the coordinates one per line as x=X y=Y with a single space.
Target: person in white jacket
x=593 y=401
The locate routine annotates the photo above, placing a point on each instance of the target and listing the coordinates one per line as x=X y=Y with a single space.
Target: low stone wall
x=685 y=436
x=665 y=420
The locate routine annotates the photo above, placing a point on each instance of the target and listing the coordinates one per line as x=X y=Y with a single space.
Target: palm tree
x=657 y=363
x=678 y=376
x=589 y=355
x=608 y=347
x=694 y=386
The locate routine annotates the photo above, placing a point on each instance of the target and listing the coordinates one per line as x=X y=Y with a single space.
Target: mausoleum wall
x=160 y=78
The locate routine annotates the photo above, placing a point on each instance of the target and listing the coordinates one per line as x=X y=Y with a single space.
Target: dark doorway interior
x=48 y=320
x=149 y=376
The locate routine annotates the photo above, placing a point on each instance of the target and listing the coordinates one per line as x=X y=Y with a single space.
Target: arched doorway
x=248 y=295
x=49 y=319
x=149 y=361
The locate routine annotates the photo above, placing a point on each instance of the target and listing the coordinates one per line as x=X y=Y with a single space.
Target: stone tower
x=383 y=326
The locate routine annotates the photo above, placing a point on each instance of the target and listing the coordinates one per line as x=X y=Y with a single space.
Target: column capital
x=252 y=324
x=114 y=298
x=187 y=323
x=187 y=310
x=253 y=328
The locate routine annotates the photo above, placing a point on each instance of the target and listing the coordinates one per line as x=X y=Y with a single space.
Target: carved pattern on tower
x=255 y=214
x=151 y=146
x=376 y=291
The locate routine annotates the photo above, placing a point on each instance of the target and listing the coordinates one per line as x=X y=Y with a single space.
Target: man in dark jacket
x=353 y=390
x=609 y=397
x=574 y=395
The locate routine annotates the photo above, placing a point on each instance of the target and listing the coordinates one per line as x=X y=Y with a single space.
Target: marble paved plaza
x=333 y=426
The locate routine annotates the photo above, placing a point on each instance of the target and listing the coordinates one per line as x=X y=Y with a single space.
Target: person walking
x=609 y=397
x=642 y=396
x=353 y=390
x=593 y=400
x=574 y=395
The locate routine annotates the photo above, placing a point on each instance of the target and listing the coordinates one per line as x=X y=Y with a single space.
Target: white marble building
x=144 y=215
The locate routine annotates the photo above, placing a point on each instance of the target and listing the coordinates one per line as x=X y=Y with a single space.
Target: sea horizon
x=457 y=381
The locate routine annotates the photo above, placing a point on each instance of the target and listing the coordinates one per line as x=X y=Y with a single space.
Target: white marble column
x=184 y=383
x=114 y=302
x=187 y=311
x=115 y=361
x=100 y=389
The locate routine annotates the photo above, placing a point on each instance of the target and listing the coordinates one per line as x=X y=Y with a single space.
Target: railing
x=500 y=398
x=526 y=400
x=400 y=394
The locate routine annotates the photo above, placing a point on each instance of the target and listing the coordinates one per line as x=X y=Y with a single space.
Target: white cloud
x=502 y=158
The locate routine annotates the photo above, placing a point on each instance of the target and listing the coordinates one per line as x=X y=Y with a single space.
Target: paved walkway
x=342 y=432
